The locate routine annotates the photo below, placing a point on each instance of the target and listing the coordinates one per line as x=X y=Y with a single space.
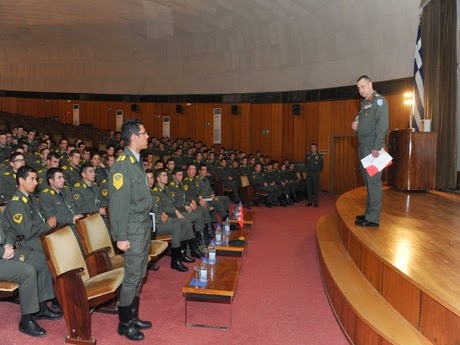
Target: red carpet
x=280 y=298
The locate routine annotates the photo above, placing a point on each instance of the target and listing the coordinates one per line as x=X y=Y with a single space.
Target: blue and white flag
x=417 y=101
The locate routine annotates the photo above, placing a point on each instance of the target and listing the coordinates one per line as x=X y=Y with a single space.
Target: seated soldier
x=261 y=185
x=86 y=193
x=221 y=203
x=52 y=161
x=25 y=218
x=13 y=269
x=57 y=200
x=224 y=175
x=17 y=160
x=179 y=229
x=72 y=168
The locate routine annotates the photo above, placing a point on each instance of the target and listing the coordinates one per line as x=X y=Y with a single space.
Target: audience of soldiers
x=70 y=180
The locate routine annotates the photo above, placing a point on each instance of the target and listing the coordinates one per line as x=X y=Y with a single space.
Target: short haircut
x=202 y=165
x=14 y=155
x=365 y=77
x=158 y=172
x=85 y=167
x=74 y=152
x=176 y=170
x=53 y=154
x=130 y=127
x=23 y=172
x=51 y=173
x=149 y=171
x=169 y=160
x=63 y=139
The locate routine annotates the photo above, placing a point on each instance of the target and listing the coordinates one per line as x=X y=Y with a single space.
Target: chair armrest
x=98 y=261
x=71 y=292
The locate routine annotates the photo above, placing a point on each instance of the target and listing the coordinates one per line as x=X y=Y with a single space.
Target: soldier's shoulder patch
x=121 y=158
x=186 y=187
x=155 y=189
x=46 y=190
x=64 y=167
x=104 y=192
x=6 y=173
x=40 y=171
x=40 y=180
x=17 y=218
x=380 y=102
x=173 y=184
x=132 y=160
x=65 y=187
x=104 y=181
x=197 y=184
x=78 y=184
x=76 y=196
x=52 y=192
x=15 y=198
x=25 y=200
x=118 y=180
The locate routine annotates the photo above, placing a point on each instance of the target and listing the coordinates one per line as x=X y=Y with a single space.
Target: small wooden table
x=225 y=249
x=248 y=219
x=221 y=287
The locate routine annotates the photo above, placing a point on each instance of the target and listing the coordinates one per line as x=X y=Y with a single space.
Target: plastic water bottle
x=218 y=235
x=203 y=270
x=240 y=207
x=227 y=227
x=212 y=253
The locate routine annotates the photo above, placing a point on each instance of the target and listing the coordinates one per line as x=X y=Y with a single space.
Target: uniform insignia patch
x=40 y=180
x=196 y=184
x=22 y=257
x=104 y=192
x=172 y=194
x=64 y=167
x=132 y=160
x=46 y=190
x=158 y=199
x=15 y=198
x=155 y=189
x=118 y=180
x=17 y=218
x=186 y=187
x=25 y=199
x=121 y=158
x=380 y=102
x=76 y=196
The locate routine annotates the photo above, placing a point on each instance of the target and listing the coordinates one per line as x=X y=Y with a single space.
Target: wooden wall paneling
x=342 y=115
x=200 y=122
x=231 y=127
x=299 y=136
x=288 y=138
x=372 y=269
x=245 y=127
x=437 y=324
x=276 y=132
x=399 y=112
x=324 y=140
x=354 y=249
x=310 y=112
x=256 y=127
x=65 y=111
x=156 y=129
x=148 y=117
x=41 y=108
x=402 y=295
x=345 y=171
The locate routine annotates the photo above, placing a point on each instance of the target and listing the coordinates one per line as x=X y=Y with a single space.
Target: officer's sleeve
x=119 y=193
x=19 y=220
x=382 y=123
x=79 y=201
x=8 y=236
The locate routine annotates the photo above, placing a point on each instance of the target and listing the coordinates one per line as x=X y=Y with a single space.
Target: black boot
x=209 y=234
x=175 y=260
x=29 y=326
x=46 y=313
x=183 y=253
x=194 y=249
x=126 y=326
x=136 y=321
x=200 y=237
x=282 y=202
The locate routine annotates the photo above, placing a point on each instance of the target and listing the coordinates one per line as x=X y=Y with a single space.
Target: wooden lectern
x=414 y=160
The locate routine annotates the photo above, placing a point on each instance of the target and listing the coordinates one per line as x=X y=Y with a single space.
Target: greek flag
x=417 y=101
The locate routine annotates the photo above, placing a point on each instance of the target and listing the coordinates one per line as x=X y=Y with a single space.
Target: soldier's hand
x=188 y=209
x=52 y=221
x=76 y=217
x=102 y=211
x=9 y=252
x=193 y=205
x=123 y=245
x=354 y=125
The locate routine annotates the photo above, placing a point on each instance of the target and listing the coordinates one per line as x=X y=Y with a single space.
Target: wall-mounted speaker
x=135 y=107
x=296 y=109
x=178 y=109
x=234 y=109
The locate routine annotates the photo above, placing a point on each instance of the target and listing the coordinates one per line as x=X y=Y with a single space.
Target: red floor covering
x=280 y=298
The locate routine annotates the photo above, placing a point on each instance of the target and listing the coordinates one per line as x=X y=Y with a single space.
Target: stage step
x=365 y=316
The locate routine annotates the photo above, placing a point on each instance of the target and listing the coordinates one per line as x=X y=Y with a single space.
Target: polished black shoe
x=177 y=265
x=56 y=306
x=309 y=204
x=126 y=325
x=366 y=223
x=31 y=328
x=360 y=217
x=185 y=258
x=47 y=314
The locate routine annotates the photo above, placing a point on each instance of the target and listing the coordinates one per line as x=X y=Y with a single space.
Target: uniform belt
x=139 y=218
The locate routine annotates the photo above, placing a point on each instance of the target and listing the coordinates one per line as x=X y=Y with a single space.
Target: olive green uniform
x=18 y=271
x=223 y=174
x=313 y=166
x=130 y=204
x=181 y=200
x=25 y=218
x=192 y=193
x=9 y=184
x=86 y=197
x=71 y=174
x=258 y=181
x=372 y=129
x=221 y=203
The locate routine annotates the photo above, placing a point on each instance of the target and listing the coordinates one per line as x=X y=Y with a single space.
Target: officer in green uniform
x=313 y=166
x=223 y=174
x=221 y=203
x=13 y=269
x=372 y=127
x=9 y=182
x=52 y=161
x=72 y=168
x=25 y=219
x=57 y=201
x=86 y=193
x=130 y=204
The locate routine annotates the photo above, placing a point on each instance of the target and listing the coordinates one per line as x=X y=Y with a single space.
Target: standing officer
x=313 y=166
x=130 y=204
x=372 y=127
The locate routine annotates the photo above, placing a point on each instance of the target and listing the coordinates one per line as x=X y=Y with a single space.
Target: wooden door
x=345 y=171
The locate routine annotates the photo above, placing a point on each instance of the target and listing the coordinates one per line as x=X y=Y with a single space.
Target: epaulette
x=40 y=171
x=121 y=158
x=133 y=161
x=46 y=190
x=6 y=173
x=77 y=184
x=15 y=198
x=65 y=187
x=155 y=189
x=104 y=181
x=173 y=184
x=64 y=167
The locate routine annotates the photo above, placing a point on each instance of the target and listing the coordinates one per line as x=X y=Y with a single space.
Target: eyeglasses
x=144 y=133
x=19 y=160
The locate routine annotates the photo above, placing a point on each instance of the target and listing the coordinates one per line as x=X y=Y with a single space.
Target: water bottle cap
x=203 y=259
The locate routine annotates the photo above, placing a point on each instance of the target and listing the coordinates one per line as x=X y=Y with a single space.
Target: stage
x=412 y=259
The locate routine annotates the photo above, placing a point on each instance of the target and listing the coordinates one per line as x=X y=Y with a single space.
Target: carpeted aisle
x=280 y=298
